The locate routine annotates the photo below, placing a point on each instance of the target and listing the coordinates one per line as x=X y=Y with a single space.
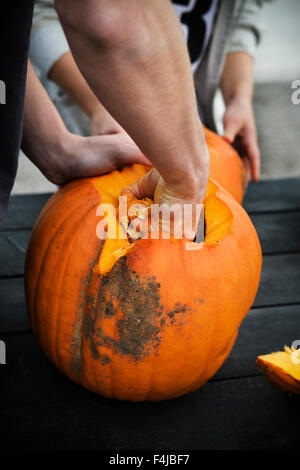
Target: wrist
x=192 y=182
x=240 y=106
x=191 y=177
x=241 y=94
x=58 y=143
x=237 y=77
x=57 y=150
x=93 y=108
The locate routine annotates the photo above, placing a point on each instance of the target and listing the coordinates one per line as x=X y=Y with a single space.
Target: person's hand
x=185 y=200
x=89 y=156
x=102 y=123
x=240 y=131
x=61 y=155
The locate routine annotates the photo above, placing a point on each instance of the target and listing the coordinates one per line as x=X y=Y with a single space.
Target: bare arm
x=134 y=57
x=66 y=74
x=61 y=155
x=239 y=123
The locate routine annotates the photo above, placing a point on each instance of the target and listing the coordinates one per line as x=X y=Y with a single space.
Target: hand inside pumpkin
x=173 y=222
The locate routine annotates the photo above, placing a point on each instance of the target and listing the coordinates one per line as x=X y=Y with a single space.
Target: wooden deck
x=237 y=409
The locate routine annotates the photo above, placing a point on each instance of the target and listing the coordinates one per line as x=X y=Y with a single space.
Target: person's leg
x=14 y=41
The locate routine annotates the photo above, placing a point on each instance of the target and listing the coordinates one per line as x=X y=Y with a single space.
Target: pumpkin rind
x=280 y=371
x=226 y=166
x=162 y=321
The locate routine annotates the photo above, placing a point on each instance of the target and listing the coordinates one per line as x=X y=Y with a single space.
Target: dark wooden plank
x=13 y=317
x=278 y=232
x=232 y=414
x=273 y=195
x=51 y=412
x=262 y=331
x=28 y=367
x=279 y=281
x=13 y=247
x=23 y=211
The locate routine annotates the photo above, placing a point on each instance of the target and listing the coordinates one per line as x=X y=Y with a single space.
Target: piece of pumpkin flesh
x=218 y=217
x=282 y=369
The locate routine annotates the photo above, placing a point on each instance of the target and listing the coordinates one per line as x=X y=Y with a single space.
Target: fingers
x=232 y=126
x=126 y=152
x=95 y=155
x=247 y=166
x=139 y=228
x=171 y=215
x=134 y=156
x=90 y=156
x=227 y=139
x=144 y=187
x=240 y=130
x=180 y=220
x=252 y=152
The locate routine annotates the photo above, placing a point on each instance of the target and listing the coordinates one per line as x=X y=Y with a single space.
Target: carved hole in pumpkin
x=218 y=220
x=201 y=229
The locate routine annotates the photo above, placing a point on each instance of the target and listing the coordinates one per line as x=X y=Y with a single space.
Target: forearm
x=61 y=155
x=237 y=77
x=43 y=127
x=135 y=60
x=66 y=74
x=238 y=120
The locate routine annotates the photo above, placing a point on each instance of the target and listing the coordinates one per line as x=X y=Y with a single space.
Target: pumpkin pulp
x=218 y=217
x=283 y=361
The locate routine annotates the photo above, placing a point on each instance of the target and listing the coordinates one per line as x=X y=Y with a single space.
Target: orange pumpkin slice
x=282 y=369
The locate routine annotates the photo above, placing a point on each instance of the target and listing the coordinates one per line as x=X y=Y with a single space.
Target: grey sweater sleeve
x=247 y=26
x=48 y=42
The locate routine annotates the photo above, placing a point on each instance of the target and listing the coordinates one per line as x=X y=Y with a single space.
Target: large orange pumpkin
x=148 y=320
x=226 y=166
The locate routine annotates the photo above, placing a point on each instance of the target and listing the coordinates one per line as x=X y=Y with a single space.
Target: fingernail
x=224 y=137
